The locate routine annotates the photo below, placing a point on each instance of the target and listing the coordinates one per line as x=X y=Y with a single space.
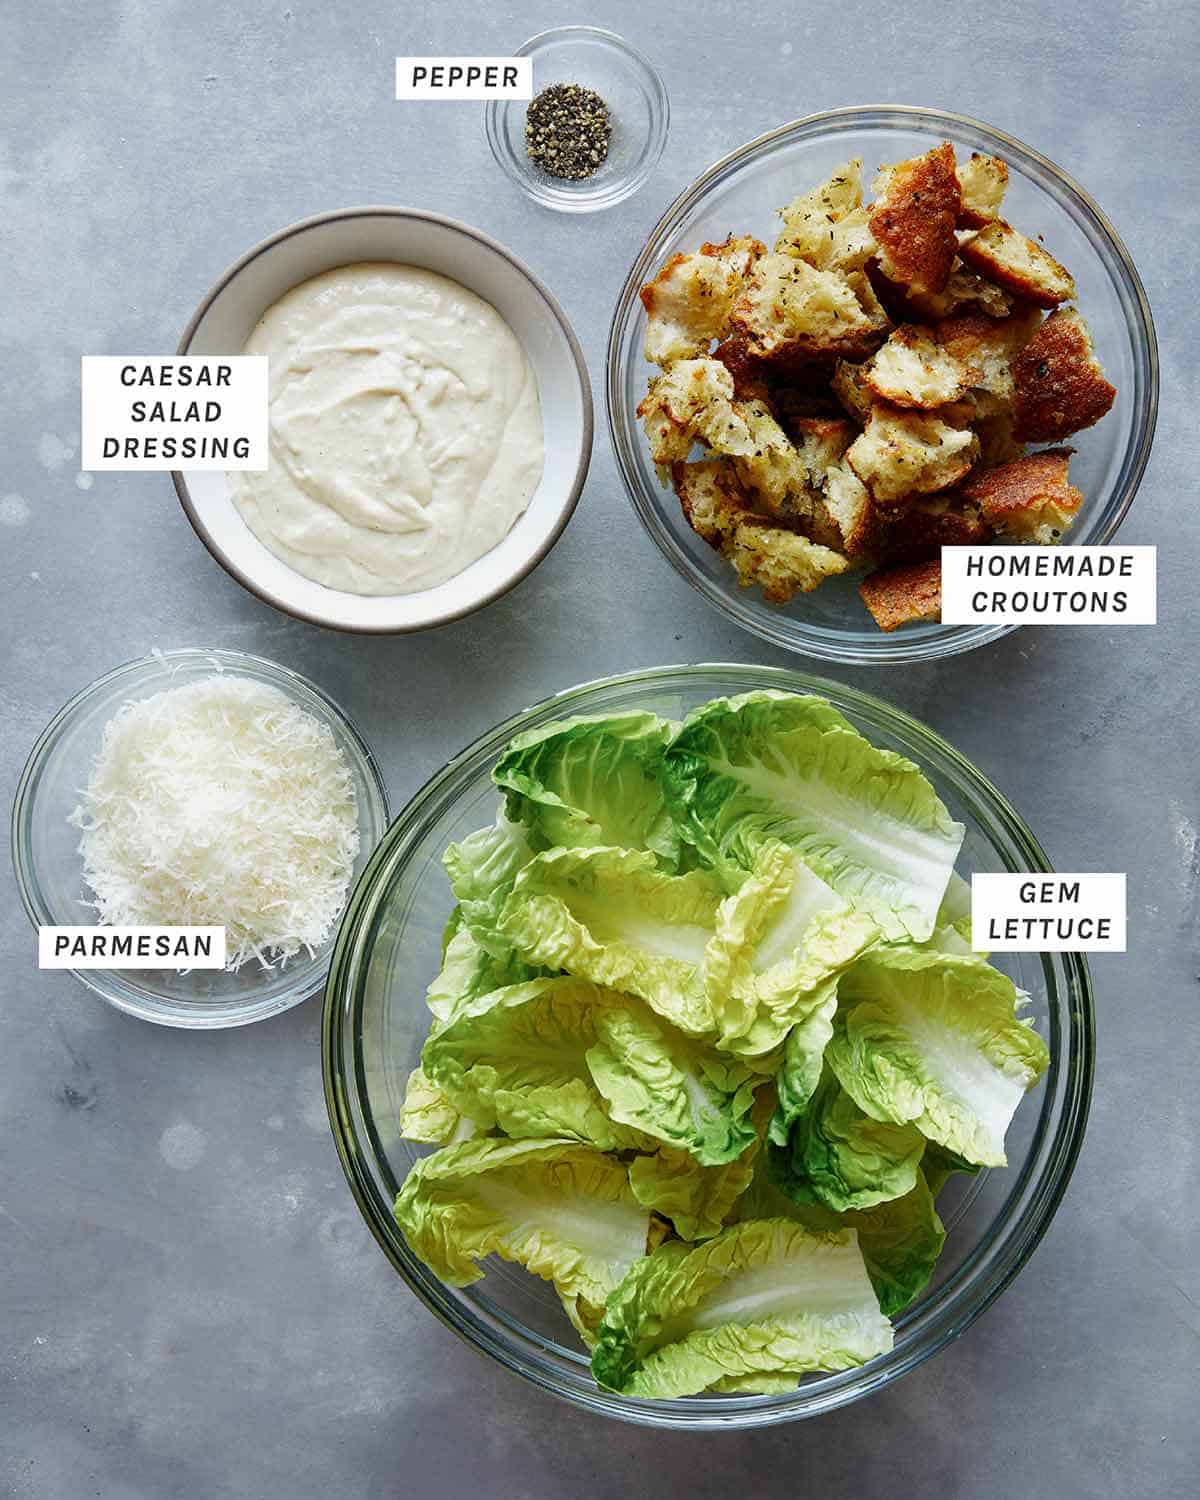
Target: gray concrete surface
x=189 y=1304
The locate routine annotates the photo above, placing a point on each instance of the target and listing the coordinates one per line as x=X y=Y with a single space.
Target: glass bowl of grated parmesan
x=199 y=788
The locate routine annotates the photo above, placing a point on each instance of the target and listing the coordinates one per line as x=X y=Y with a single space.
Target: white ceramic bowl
x=230 y=311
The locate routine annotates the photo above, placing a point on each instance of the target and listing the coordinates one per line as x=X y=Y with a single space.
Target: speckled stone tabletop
x=190 y=1305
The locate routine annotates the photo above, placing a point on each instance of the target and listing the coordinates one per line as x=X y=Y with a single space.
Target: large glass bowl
x=741 y=194
x=49 y=868
x=375 y=1022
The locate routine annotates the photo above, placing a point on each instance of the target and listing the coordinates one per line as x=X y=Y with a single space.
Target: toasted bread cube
x=965 y=290
x=988 y=345
x=902 y=453
x=1029 y=499
x=691 y=401
x=996 y=442
x=712 y=498
x=913 y=218
x=781 y=562
x=849 y=385
x=1019 y=264
x=850 y=507
x=1060 y=387
x=914 y=369
x=773 y=471
x=750 y=381
x=919 y=530
x=822 y=441
x=905 y=595
x=688 y=303
x=983 y=181
x=792 y=311
x=828 y=227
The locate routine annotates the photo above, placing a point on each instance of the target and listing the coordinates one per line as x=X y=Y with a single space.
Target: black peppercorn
x=567 y=131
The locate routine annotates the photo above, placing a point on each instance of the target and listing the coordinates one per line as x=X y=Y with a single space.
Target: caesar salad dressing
x=406 y=434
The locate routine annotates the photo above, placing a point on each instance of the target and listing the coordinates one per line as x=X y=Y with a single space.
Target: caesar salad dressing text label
x=406 y=434
x=1049 y=585
x=1048 y=913
x=173 y=412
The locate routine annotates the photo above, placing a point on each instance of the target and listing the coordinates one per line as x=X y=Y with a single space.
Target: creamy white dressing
x=405 y=430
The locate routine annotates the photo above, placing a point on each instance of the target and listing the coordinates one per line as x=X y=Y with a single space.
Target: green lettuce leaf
x=591 y=780
x=900 y=1240
x=789 y=766
x=563 y=1211
x=566 y=1056
x=742 y=968
x=801 y=1067
x=429 y=1115
x=469 y=971
x=933 y=1040
x=841 y=1158
x=698 y=1201
x=482 y=868
x=763 y=1298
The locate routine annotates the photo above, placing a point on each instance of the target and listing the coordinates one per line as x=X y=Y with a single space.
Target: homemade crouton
x=996 y=442
x=1060 y=387
x=689 y=301
x=849 y=385
x=773 y=470
x=1029 y=499
x=1017 y=263
x=791 y=311
x=693 y=400
x=965 y=290
x=988 y=345
x=822 y=441
x=849 y=506
x=828 y=227
x=913 y=218
x=904 y=595
x=914 y=369
x=712 y=498
x=749 y=374
x=982 y=180
x=781 y=562
x=902 y=453
x=919 y=530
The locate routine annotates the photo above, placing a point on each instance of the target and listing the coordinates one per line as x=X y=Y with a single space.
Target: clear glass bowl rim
x=566 y=200
x=889 y=648
x=1029 y=1207
x=24 y=866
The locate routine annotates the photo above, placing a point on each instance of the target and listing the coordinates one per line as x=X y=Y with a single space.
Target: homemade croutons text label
x=1049 y=585
x=174 y=411
x=131 y=947
x=1048 y=913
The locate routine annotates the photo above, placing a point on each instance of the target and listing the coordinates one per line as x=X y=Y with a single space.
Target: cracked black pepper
x=567 y=131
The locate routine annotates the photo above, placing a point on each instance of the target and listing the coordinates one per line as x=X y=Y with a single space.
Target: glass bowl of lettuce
x=660 y=1062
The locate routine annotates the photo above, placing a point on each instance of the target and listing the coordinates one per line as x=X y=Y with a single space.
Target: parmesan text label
x=174 y=412
x=131 y=947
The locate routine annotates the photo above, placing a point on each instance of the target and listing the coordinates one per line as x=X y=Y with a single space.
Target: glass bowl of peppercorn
x=596 y=125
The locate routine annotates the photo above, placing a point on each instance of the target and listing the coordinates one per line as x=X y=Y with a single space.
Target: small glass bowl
x=49 y=869
x=628 y=84
x=741 y=194
x=375 y=1022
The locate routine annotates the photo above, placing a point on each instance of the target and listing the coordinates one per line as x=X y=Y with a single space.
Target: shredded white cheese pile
x=221 y=802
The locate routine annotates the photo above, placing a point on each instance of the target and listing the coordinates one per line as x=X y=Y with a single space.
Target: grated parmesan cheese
x=221 y=802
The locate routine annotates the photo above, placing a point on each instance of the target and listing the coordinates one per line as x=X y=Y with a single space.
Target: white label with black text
x=464 y=78
x=174 y=411
x=131 y=947
x=1048 y=913
x=1049 y=586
